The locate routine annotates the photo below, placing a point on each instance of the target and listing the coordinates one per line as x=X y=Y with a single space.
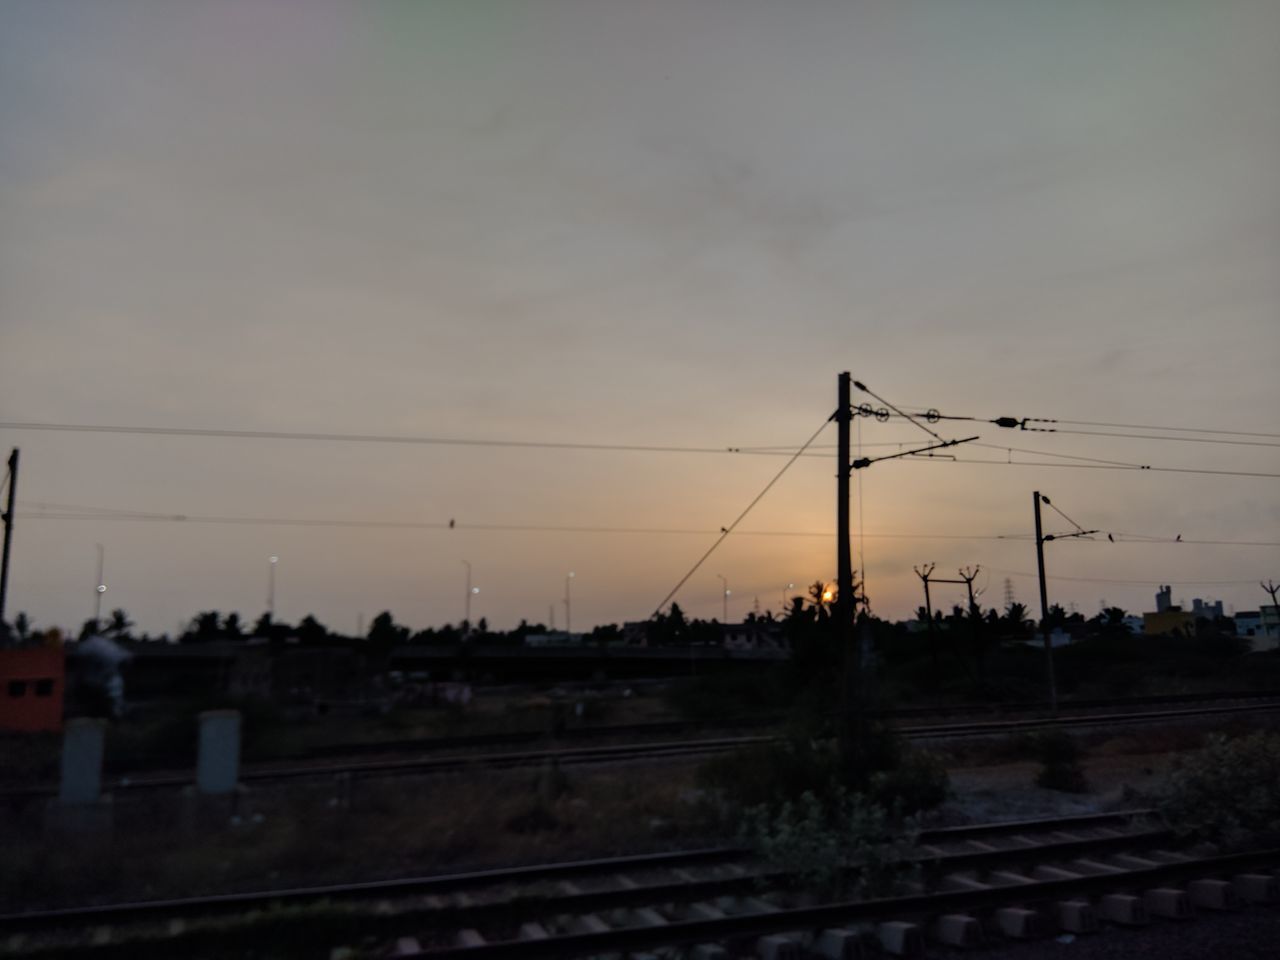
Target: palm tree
x=119 y=624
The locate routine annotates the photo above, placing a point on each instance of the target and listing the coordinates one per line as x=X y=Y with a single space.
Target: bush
x=1228 y=792
x=1060 y=763
x=771 y=774
x=918 y=783
x=847 y=846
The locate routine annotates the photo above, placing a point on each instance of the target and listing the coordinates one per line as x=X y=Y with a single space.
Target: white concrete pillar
x=218 y=753
x=82 y=746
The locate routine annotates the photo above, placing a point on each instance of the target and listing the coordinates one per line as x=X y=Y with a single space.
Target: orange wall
x=32 y=683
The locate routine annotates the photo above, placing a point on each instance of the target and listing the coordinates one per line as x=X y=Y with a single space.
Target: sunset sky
x=665 y=223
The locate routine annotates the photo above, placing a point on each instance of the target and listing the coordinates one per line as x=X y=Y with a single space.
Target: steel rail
x=622 y=752
x=835 y=914
x=534 y=873
x=420 y=919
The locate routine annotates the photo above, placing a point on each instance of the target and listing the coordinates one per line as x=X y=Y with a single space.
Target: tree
x=204 y=628
x=22 y=626
x=231 y=625
x=119 y=624
x=311 y=630
x=384 y=634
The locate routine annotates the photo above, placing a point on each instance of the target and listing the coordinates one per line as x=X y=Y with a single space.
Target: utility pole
x=1269 y=586
x=968 y=576
x=271 y=587
x=975 y=620
x=1044 y=608
x=8 y=530
x=845 y=603
x=99 y=588
x=928 y=618
x=568 y=604
x=926 y=576
x=466 y=616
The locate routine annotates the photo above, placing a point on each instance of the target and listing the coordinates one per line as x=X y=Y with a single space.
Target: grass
x=402 y=827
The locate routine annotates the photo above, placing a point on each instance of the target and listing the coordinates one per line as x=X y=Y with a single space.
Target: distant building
x=1173 y=620
x=553 y=638
x=32 y=687
x=1210 y=610
x=753 y=635
x=1164 y=599
x=1262 y=625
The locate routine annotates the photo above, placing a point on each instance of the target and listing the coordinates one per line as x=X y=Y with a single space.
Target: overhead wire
x=725 y=531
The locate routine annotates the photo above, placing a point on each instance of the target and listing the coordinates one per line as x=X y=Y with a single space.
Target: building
x=1173 y=620
x=1210 y=610
x=1261 y=625
x=753 y=635
x=32 y=687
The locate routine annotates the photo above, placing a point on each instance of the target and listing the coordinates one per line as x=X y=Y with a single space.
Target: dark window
x=17 y=688
x=44 y=688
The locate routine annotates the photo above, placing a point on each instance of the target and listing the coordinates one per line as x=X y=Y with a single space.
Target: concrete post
x=218 y=755
x=82 y=747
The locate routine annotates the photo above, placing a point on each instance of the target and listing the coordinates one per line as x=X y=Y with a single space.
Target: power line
x=572 y=445
x=1132 y=583
x=1097 y=466
x=932 y=414
x=54 y=511
x=372 y=438
x=725 y=531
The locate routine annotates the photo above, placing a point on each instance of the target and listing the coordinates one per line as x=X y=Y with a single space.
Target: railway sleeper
x=1077 y=916
x=958 y=930
x=1168 y=903
x=1022 y=923
x=900 y=938
x=837 y=944
x=1213 y=895
x=1124 y=909
x=1256 y=887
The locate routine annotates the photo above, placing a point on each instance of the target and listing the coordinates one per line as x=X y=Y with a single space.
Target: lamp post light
x=725 y=597
x=271 y=587
x=568 y=604
x=466 y=618
x=99 y=587
x=785 y=590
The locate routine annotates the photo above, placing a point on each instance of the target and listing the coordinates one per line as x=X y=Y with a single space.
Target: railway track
x=1019 y=880
x=357 y=768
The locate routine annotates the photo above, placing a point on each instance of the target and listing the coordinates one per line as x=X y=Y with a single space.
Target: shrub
x=1060 y=763
x=918 y=783
x=1228 y=792
x=848 y=846
x=770 y=774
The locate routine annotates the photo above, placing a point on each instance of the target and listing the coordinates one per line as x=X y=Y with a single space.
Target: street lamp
x=568 y=604
x=100 y=588
x=725 y=597
x=271 y=587
x=471 y=591
x=785 y=590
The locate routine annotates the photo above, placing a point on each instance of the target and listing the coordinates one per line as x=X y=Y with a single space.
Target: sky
x=659 y=224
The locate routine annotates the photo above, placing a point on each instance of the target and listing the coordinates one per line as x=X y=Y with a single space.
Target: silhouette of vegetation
x=1060 y=767
x=1227 y=793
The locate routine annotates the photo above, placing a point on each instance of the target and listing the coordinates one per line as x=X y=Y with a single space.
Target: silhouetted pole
x=99 y=588
x=845 y=604
x=928 y=620
x=568 y=604
x=8 y=531
x=1269 y=586
x=1044 y=607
